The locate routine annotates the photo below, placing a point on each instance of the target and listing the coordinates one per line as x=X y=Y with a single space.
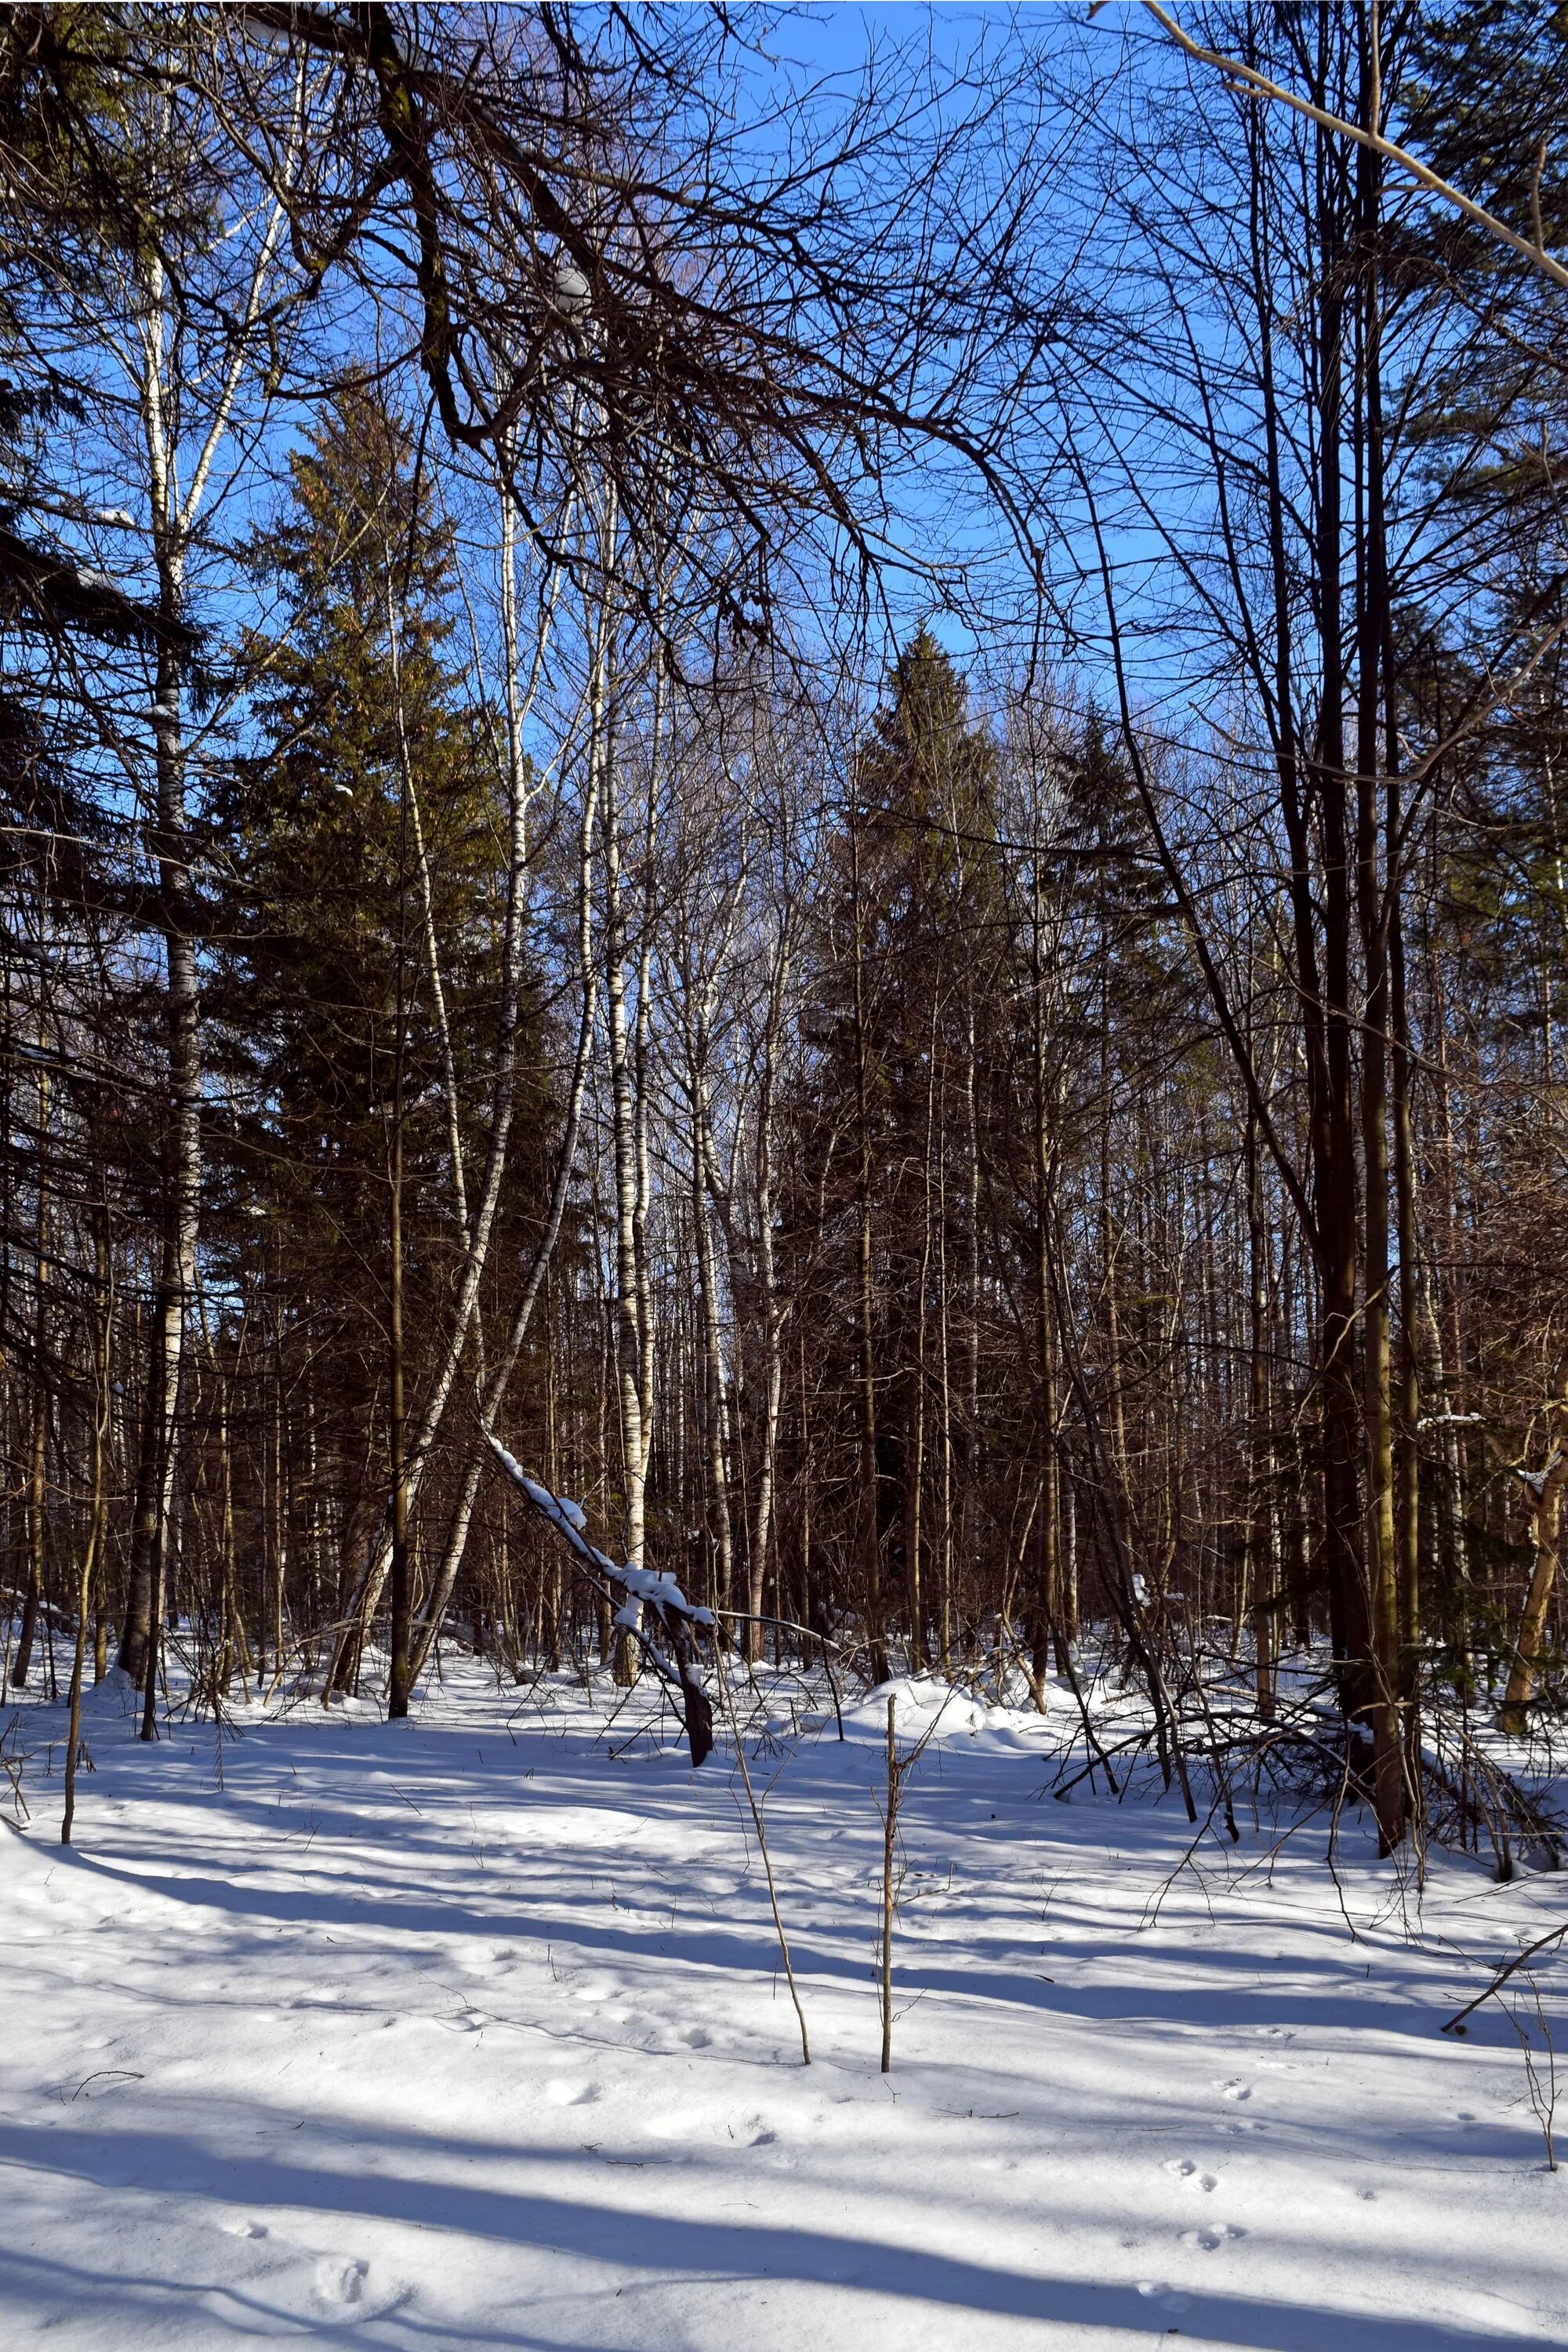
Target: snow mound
x=927 y=1707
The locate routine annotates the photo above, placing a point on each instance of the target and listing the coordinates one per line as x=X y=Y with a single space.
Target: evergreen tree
x=360 y=930
x=911 y=894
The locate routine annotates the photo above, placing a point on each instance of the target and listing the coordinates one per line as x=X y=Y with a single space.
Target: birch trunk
x=767 y=1286
x=497 y=1378
x=1546 y=1499
x=629 y=1321
x=172 y=512
x=478 y=1226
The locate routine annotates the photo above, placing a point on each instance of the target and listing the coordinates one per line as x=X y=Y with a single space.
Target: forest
x=784 y=953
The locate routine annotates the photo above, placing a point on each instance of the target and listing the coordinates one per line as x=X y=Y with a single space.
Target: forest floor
x=470 y=2032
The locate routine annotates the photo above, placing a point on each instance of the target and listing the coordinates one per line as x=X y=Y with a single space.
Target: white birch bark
x=496 y=1378
x=478 y=1226
x=153 y=355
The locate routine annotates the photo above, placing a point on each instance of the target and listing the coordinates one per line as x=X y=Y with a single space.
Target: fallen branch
x=1455 y=2024
x=641 y=1588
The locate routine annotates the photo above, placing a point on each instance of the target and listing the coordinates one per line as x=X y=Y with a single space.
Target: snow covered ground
x=470 y=2032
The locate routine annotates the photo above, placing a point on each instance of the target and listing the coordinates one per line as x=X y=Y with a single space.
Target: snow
x=658 y=1586
x=660 y=1589
x=470 y=2031
x=1536 y=1480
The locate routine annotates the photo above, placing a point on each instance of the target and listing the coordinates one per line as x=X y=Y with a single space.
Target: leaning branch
x=638 y=1589
x=1258 y=85
x=1455 y=2024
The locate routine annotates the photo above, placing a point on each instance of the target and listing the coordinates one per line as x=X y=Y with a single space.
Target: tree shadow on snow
x=652 y=2252
x=435 y=1910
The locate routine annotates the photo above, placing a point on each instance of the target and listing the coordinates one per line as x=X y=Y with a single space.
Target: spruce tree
x=360 y=828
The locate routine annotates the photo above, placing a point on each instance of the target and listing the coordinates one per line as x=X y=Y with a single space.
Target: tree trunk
x=870 y=1540
x=1545 y=1489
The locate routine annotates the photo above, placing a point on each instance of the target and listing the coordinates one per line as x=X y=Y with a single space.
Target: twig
x=1455 y=2024
x=762 y=1844
x=890 y=1833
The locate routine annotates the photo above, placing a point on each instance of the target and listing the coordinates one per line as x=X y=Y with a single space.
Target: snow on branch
x=644 y=1588
x=1537 y=1481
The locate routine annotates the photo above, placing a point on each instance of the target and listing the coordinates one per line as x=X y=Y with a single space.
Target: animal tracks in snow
x=560 y=2093
x=1185 y=2169
x=1016 y=2136
x=1173 y=2299
x=1209 y=2238
x=340 y=2280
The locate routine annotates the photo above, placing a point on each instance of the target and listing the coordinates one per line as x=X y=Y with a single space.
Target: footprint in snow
x=694 y=2038
x=338 y=2281
x=558 y=2093
x=1211 y=2239
x=1169 y=2296
x=245 y=2229
x=1185 y=2169
x=1236 y=2090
